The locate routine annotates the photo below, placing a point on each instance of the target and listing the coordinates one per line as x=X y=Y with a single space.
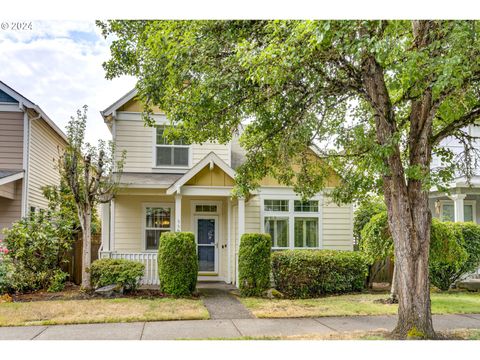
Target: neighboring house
x=463 y=201
x=30 y=144
x=182 y=187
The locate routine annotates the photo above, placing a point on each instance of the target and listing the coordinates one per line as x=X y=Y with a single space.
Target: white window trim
x=171 y=206
x=291 y=214
x=163 y=121
x=465 y=202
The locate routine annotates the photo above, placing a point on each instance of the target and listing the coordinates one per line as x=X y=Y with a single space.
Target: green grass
x=57 y=312
x=357 y=304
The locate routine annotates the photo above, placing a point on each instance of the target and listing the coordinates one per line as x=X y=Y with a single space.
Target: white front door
x=206 y=234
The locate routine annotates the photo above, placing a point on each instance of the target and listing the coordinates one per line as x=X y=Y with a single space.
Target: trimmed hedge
x=254 y=265
x=121 y=272
x=312 y=273
x=177 y=263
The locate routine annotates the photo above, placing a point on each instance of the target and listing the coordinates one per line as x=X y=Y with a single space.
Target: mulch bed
x=73 y=292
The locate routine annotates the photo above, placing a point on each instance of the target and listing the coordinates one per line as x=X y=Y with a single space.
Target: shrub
x=471 y=244
x=177 y=263
x=311 y=273
x=377 y=244
x=58 y=281
x=37 y=247
x=447 y=256
x=367 y=209
x=254 y=264
x=121 y=272
x=6 y=272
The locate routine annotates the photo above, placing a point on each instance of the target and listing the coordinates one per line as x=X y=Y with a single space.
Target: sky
x=58 y=66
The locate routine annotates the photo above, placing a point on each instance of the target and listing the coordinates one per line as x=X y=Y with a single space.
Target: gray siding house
x=30 y=145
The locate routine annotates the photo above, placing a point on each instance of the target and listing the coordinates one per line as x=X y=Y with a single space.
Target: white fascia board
x=9 y=179
x=122 y=101
x=207 y=190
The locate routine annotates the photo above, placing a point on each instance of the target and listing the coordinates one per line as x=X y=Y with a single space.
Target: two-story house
x=187 y=187
x=30 y=145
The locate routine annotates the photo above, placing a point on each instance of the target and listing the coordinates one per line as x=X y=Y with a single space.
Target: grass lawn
x=99 y=311
x=357 y=304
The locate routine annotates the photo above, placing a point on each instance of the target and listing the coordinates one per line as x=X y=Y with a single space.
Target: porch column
x=178 y=213
x=241 y=230
x=229 y=240
x=458 y=206
x=105 y=226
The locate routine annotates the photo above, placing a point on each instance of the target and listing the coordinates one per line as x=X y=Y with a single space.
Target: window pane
x=311 y=232
x=276 y=205
x=278 y=230
x=164 y=155
x=152 y=238
x=180 y=156
x=282 y=233
x=206 y=258
x=306 y=232
x=206 y=208
x=468 y=212
x=158 y=218
x=160 y=138
x=448 y=212
x=306 y=206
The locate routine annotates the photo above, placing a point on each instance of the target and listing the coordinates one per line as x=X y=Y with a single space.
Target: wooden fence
x=381 y=272
x=74 y=265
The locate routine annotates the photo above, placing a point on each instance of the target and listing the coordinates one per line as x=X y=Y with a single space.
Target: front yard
x=356 y=304
x=100 y=311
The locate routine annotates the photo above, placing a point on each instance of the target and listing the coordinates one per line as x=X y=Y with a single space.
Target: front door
x=207 y=235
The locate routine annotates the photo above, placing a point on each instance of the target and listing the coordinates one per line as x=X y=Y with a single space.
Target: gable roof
x=210 y=159
x=119 y=103
x=23 y=101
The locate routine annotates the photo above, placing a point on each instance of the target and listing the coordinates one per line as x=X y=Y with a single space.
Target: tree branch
x=449 y=129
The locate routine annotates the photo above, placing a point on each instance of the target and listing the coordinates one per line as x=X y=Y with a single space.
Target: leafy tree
x=373 y=98
x=367 y=208
x=92 y=175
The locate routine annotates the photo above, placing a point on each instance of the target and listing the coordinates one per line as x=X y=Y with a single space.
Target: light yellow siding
x=11 y=140
x=11 y=209
x=252 y=215
x=337 y=224
x=207 y=177
x=46 y=146
x=138 y=141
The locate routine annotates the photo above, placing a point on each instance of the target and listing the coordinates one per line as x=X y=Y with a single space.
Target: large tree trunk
x=409 y=217
x=393 y=287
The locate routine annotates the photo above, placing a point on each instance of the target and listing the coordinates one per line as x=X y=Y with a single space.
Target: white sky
x=58 y=66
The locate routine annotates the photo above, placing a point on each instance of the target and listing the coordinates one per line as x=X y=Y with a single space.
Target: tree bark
x=393 y=287
x=86 y=217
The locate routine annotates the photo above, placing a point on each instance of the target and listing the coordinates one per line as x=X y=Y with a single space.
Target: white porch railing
x=148 y=259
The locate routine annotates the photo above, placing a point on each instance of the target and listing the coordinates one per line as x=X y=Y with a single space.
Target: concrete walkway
x=220 y=303
x=235 y=328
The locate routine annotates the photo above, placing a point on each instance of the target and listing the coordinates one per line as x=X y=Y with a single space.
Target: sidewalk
x=203 y=329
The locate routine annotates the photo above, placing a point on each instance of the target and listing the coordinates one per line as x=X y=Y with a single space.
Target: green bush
x=177 y=263
x=447 y=256
x=311 y=273
x=121 y=272
x=367 y=209
x=37 y=248
x=454 y=248
x=254 y=265
x=471 y=244
x=6 y=272
x=58 y=281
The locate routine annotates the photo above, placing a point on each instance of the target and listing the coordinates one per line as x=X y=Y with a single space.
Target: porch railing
x=148 y=259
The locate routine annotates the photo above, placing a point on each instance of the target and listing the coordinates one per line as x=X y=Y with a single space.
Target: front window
x=170 y=154
x=157 y=221
x=292 y=223
x=448 y=212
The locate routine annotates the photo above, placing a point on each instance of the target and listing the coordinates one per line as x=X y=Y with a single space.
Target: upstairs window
x=170 y=154
x=306 y=206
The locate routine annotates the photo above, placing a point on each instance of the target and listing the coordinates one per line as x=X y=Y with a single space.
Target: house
x=187 y=187
x=463 y=201
x=30 y=144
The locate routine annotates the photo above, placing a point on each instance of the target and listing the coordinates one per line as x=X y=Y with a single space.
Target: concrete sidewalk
x=203 y=329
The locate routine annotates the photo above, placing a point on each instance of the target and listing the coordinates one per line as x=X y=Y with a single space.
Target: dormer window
x=170 y=154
